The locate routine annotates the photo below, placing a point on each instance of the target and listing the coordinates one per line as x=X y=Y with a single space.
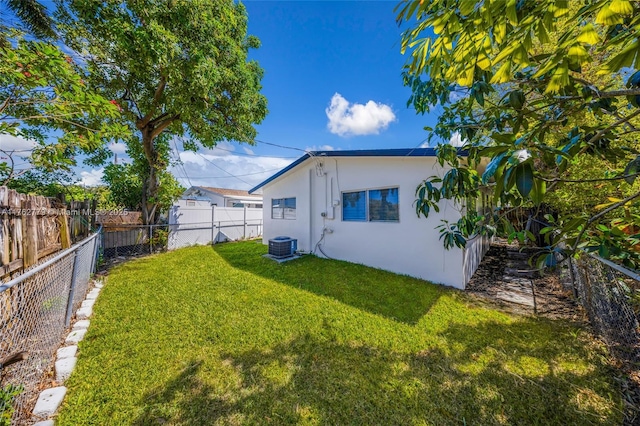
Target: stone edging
x=50 y=399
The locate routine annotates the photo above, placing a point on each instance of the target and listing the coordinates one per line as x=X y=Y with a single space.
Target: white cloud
x=117 y=148
x=92 y=177
x=320 y=148
x=20 y=146
x=248 y=150
x=347 y=119
x=222 y=149
x=456 y=140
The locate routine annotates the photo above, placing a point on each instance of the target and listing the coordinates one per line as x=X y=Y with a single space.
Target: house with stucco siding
x=358 y=206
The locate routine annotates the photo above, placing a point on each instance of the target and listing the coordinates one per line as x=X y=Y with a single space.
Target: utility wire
x=250 y=155
x=180 y=163
x=227 y=177
x=229 y=173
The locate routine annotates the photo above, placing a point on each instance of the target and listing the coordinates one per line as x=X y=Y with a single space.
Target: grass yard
x=221 y=335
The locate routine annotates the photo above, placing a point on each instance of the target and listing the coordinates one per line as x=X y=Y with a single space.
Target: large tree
x=44 y=98
x=537 y=88
x=178 y=68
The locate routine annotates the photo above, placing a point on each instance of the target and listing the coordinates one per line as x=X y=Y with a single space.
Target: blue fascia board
x=395 y=152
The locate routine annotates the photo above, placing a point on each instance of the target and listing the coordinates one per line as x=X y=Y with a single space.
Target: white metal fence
x=35 y=310
x=199 y=225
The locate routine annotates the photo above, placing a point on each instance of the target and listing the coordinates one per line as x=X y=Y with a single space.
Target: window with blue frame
x=374 y=205
x=383 y=205
x=283 y=208
x=354 y=206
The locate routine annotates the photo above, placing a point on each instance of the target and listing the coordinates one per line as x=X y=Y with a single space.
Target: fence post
x=213 y=224
x=150 y=239
x=94 y=257
x=245 y=223
x=72 y=289
x=30 y=232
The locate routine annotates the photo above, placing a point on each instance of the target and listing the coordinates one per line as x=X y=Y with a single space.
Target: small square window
x=354 y=206
x=383 y=205
x=283 y=208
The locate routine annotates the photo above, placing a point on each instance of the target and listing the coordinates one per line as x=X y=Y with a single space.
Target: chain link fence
x=35 y=312
x=610 y=295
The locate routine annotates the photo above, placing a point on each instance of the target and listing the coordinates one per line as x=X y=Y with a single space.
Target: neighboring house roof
x=223 y=192
x=398 y=152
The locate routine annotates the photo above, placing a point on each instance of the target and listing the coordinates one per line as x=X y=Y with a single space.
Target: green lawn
x=221 y=335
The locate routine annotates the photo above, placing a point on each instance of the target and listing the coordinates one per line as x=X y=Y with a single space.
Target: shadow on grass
x=393 y=296
x=311 y=380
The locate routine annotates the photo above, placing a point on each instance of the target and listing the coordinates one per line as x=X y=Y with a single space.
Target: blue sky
x=332 y=80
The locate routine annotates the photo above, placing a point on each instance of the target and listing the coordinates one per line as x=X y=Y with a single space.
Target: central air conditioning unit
x=281 y=247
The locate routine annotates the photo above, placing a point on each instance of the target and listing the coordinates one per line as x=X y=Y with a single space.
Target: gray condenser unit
x=281 y=247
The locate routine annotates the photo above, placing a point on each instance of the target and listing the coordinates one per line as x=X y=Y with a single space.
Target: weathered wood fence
x=33 y=227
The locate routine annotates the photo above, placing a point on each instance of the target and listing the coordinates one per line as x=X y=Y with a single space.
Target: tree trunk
x=151 y=184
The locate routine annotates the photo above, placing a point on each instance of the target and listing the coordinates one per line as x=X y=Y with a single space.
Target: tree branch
x=603 y=95
x=588 y=180
x=623 y=120
x=163 y=125
x=602 y=213
x=154 y=103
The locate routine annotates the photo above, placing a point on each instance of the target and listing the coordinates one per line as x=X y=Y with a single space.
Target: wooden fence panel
x=32 y=227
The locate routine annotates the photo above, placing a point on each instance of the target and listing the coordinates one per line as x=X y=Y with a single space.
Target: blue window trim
x=363 y=213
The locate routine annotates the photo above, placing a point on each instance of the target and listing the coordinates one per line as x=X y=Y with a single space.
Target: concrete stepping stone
x=67 y=352
x=81 y=325
x=93 y=294
x=45 y=423
x=75 y=336
x=64 y=368
x=88 y=303
x=513 y=297
x=49 y=401
x=84 y=313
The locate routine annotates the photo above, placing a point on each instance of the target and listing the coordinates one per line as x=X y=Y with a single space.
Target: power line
x=229 y=173
x=251 y=155
x=180 y=163
x=227 y=177
x=281 y=146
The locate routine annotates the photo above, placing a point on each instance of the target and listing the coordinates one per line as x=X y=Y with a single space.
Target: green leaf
x=607 y=16
x=632 y=168
x=516 y=99
x=538 y=192
x=621 y=7
x=493 y=166
x=588 y=35
x=524 y=179
x=503 y=74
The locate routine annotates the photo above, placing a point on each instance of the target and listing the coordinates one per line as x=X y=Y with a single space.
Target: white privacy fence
x=201 y=225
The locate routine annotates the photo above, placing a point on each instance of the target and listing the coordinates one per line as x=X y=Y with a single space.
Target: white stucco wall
x=410 y=246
